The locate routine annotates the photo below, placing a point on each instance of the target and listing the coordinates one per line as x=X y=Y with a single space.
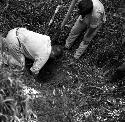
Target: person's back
x=37 y=44
x=32 y=43
x=97 y=9
x=24 y=43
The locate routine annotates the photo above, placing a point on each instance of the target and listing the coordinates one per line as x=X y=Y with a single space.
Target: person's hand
x=34 y=71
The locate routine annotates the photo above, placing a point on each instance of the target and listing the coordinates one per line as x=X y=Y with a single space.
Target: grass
x=78 y=92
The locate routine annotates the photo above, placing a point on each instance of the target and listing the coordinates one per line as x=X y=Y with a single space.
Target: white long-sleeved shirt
x=34 y=46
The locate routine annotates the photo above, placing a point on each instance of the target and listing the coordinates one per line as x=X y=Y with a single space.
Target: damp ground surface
x=74 y=90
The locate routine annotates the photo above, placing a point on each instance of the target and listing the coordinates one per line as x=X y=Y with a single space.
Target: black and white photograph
x=62 y=60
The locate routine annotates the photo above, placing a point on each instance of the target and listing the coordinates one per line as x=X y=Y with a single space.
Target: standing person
x=91 y=17
x=23 y=43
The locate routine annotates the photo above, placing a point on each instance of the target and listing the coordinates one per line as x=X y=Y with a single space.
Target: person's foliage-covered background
x=80 y=91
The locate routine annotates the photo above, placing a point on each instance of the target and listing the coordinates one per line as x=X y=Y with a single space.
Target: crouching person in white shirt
x=23 y=43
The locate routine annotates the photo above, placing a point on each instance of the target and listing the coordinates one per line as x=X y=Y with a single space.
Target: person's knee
x=57 y=51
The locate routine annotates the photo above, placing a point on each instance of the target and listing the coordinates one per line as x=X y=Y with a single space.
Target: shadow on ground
x=80 y=91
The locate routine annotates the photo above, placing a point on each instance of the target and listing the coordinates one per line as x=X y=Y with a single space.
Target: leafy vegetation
x=14 y=104
x=68 y=92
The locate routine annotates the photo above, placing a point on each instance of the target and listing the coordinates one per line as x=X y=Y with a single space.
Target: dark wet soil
x=75 y=91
